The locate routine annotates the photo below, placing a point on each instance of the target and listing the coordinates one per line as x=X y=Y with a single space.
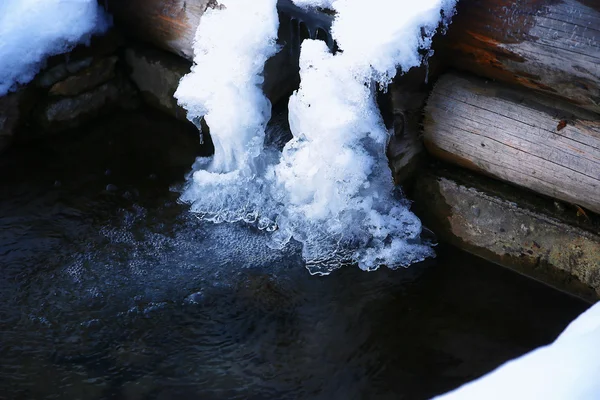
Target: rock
x=61 y=71
x=69 y=112
x=405 y=149
x=99 y=72
x=9 y=117
x=12 y=109
x=512 y=228
x=72 y=109
x=156 y=74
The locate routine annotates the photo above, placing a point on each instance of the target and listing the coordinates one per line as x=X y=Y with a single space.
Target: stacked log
x=527 y=115
x=516 y=136
x=551 y=46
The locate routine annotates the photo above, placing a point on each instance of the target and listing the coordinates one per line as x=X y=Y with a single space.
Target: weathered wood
x=549 y=45
x=170 y=24
x=513 y=228
x=538 y=143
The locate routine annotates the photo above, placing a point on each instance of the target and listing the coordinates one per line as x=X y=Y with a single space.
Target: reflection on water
x=109 y=288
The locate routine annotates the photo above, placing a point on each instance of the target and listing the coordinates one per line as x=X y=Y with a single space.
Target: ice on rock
x=330 y=188
x=33 y=30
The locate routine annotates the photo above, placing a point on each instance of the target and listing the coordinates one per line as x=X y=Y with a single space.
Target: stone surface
x=13 y=108
x=49 y=77
x=96 y=74
x=9 y=117
x=68 y=112
x=156 y=74
x=405 y=149
x=512 y=228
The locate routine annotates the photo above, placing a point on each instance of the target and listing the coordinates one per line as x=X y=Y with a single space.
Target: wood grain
x=552 y=46
x=535 y=142
x=168 y=24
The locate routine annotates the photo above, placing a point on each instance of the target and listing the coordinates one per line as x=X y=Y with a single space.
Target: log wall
x=170 y=25
x=552 y=46
x=516 y=136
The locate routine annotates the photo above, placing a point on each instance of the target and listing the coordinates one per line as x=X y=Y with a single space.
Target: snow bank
x=33 y=30
x=569 y=368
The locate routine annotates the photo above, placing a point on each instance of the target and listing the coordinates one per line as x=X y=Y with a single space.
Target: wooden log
x=532 y=235
x=170 y=25
x=538 y=143
x=552 y=46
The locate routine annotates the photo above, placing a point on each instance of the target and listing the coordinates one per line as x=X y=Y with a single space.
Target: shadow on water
x=109 y=288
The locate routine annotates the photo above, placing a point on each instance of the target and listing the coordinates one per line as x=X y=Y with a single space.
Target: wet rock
x=99 y=72
x=405 y=149
x=61 y=71
x=13 y=107
x=156 y=74
x=75 y=108
x=69 y=112
x=512 y=228
x=281 y=75
x=9 y=118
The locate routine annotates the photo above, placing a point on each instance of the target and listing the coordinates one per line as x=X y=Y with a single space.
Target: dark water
x=110 y=289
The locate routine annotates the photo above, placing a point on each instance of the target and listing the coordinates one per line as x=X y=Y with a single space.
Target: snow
x=334 y=171
x=566 y=369
x=331 y=188
x=230 y=48
x=33 y=30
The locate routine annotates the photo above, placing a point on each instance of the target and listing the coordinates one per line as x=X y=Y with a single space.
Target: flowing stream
x=119 y=280
x=111 y=289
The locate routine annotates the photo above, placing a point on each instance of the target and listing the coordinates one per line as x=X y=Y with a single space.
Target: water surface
x=111 y=289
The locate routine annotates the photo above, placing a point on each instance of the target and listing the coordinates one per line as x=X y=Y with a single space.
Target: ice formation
x=225 y=87
x=33 y=30
x=566 y=369
x=331 y=188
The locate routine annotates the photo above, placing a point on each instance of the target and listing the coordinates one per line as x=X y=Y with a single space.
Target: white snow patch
x=566 y=369
x=33 y=30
